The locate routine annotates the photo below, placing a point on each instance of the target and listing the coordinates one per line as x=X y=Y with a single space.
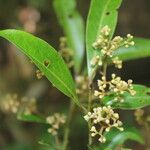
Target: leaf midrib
x=68 y=89
x=57 y=77
x=100 y=23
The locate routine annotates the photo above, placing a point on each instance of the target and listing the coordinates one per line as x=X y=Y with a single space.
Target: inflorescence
x=82 y=85
x=66 y=52
x=55 y=121
x=108 y=47
x=103 y=119
x=142 y=118
x=12 y=104
x=115 y=86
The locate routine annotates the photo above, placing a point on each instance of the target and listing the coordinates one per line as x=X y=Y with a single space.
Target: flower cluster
x=102 y=84
x=66 y=52
x=82 y=85
x=29 y=105
x=119 y=86
x=103 y=119
x=55 y=121
x=39 y=74
x=108 y=47
x=10 y=103
x=117 y=62
x=139 y=113
x=115 y=85
x=142 y=118
x=96 y=60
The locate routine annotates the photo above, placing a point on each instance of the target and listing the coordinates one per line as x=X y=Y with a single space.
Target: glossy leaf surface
x=141 y=49
x=115 y=138
x=31 y=118
x=139 y=100
x=46 y=59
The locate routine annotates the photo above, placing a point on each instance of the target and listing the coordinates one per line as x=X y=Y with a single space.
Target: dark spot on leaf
x=148 y=93
x=46 y=63
x=70 y=15
x=107 y=13
x=141 y=101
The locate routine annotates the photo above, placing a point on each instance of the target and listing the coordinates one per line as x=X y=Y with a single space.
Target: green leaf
x=31 y=118
x=18 y=146
x=73 y=27
x=39 y=51
x=139 y=100
x=46 y=140
x=140 y=50
x=115 y=138
x=101 y=13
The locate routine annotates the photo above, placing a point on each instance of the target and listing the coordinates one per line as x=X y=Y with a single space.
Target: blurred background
x=18 y=75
